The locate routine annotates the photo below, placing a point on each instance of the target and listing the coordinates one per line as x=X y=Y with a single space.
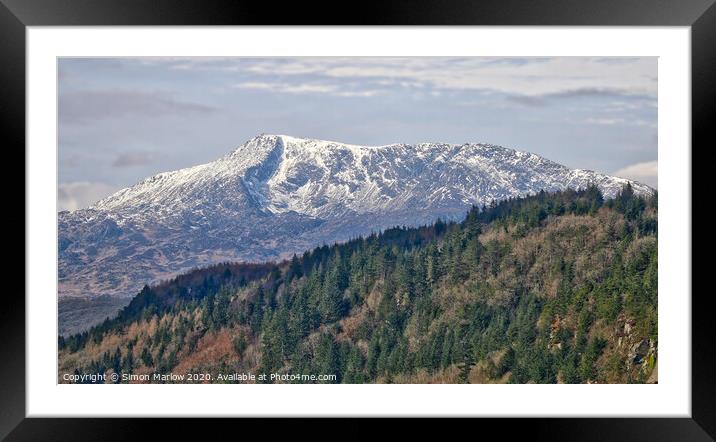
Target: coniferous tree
x=146 y=357
x=331 y=303
x=326 y=358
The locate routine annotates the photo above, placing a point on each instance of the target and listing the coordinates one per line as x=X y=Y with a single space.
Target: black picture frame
x=16 y=15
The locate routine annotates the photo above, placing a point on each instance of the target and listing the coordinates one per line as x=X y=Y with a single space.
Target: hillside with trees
x=553 y=287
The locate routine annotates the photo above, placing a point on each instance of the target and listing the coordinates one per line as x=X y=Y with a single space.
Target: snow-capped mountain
x=276 y=195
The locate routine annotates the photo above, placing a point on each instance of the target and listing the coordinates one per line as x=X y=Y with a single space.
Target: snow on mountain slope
x=279 y=174
x=276 y=195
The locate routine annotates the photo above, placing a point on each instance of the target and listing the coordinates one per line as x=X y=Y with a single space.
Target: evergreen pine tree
x=331 y=301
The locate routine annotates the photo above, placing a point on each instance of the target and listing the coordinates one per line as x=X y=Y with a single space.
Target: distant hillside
x=553 y=287
x=75 y=313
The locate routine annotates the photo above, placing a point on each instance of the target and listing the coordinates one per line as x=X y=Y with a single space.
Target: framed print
x=485 y=214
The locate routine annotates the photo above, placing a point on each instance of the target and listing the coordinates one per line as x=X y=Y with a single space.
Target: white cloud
x=604 y=121
x=646 y=172
x=81 y=194
x=621 y=121
x=523 y=76
x=286 y=87
x=305 y=88
x=519 y=76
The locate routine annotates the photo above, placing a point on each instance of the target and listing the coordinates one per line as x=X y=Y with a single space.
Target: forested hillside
x=558 y=287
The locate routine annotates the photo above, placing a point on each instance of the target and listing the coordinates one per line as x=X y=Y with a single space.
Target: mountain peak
x=280 y=194
x=306 y=143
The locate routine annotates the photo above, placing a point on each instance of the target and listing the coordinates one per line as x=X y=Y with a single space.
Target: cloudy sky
x=123 y=119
